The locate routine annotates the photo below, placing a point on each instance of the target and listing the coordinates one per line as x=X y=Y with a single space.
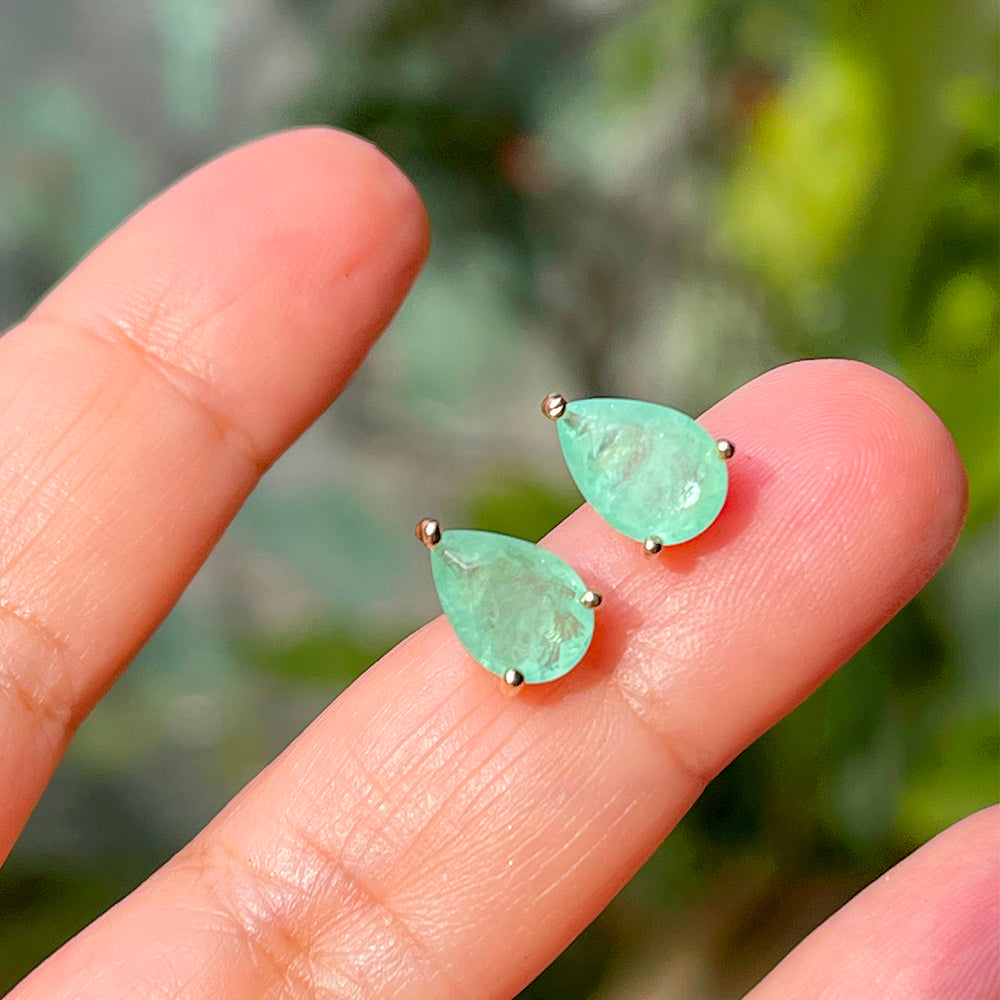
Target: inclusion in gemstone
x=522 y=612
x=651 y=472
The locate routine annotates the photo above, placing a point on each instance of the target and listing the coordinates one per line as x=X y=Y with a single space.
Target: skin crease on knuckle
x=303 y=925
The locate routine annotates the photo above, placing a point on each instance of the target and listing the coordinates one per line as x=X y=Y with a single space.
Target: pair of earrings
x=651 y=472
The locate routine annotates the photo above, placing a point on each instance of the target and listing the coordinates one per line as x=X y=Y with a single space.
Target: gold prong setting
x=428 y=531
x=554 y=405
x=652 y=546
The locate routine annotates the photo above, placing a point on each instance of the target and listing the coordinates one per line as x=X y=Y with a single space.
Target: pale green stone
x=512 y=604
x=646 y=469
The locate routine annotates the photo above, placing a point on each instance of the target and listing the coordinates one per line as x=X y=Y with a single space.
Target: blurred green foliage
x=657 y=199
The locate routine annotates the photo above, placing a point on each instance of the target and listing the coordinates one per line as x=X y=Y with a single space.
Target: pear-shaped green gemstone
x=512 y=604
x=648 y=470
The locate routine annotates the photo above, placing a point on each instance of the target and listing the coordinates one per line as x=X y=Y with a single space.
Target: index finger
x=432 y=836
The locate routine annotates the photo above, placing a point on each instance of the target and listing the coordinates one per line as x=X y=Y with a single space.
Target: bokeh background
x=657 y=199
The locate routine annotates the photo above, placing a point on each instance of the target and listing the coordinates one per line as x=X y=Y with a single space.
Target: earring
x=651 y=472
x=520 y=610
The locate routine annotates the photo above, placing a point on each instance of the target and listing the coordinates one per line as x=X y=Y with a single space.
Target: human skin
x=432 y=835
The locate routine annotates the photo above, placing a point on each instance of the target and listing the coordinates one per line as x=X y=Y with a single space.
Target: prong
x=652 y=545
x=726 y=448
x=591 y=599
x=429 y=532
x=513 y=678
x=554 y=405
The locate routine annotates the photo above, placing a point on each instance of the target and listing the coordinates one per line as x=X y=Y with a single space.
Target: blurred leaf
x=967 y=399
x=798 y=189
x=191 y=34
x=329 y=655
x=180 y=689
x=458 y=330
x=675 y=870
x=40 y=909
x=956 y=775
x=68 y=177
x=579 y=969
x=636 y=53
x=508 y=502
x=949 y=336
x=330 y=537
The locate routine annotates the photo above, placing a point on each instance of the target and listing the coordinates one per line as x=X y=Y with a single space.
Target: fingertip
x=323 y=204
x=266 y=274
x=871 y=445
x=845 y=497
x=345 y=160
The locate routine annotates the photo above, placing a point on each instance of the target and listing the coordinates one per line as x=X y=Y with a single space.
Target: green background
x=658 y=200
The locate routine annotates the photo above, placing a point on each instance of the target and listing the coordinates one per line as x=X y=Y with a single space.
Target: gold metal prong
x=726 y=448
x=591 y=599
x=429 y=532
x=513 y=678
x=652 y=545
x=554 y=405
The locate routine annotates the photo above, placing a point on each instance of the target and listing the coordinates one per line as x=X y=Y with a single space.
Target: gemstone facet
x=514 y=606
x=651 y=472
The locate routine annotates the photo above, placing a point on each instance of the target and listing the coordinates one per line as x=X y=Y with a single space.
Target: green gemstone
x=512 y=604
x=646 y=469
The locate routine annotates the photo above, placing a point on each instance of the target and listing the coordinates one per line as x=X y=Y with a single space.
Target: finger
x=143 y=398
x=432 y=836
x=927 y=930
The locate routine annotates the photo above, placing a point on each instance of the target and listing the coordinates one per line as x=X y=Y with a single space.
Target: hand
x=431 y=835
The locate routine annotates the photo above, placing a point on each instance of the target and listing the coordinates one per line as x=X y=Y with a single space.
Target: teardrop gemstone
x=648 y=470
x=512 y=604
